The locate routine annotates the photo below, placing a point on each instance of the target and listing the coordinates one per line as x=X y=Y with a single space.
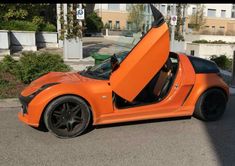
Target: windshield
x=104 y=69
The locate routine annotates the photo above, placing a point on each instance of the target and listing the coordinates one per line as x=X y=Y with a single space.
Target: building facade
x=113 y=15
x=219 y=18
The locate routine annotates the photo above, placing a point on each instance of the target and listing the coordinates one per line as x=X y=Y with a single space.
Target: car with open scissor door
x=147 y=82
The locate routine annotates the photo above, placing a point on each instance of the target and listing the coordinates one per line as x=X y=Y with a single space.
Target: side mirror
x=114 y=62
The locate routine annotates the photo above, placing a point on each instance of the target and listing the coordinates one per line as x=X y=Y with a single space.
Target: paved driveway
x=162 y=142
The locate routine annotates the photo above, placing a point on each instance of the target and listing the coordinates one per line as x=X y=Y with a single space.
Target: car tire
x=67 y=116
x=211 y=105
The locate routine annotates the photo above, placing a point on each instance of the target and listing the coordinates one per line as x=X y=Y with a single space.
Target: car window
x=104 y=69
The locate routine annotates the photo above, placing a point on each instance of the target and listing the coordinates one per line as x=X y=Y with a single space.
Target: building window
x=117 y=25
x=114 y=6
x=207 y=26
x=223 y=13
x=128 y=25
x=233 y=8
x=163 y=9
x=211 y=12
x=213 y=29
x=110 y=24
x=233 y=14
x=192 y=52
x=193 y=10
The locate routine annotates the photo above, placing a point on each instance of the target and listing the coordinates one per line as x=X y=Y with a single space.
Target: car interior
x=157 y=89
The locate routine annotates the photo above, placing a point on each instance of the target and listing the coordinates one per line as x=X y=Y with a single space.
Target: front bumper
x=23 y=113
x=25 y=118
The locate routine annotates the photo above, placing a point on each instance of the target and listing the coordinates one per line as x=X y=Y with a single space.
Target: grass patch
x=10 y=87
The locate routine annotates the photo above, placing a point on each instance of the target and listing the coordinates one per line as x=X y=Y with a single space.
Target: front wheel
x=67 y=116
x=211 y=105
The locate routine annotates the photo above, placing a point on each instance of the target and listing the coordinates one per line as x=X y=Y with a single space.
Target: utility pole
x=184 y=19
x=173 y=28
x=58 y=10
x=65 y=33
x=233 y=72
x=80 y=21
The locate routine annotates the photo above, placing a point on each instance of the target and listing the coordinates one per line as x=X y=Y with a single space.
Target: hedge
x=32 y=65
x=26 y=26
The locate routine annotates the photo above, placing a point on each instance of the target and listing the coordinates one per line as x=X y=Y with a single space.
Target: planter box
x=4 y=42
x=47 y=39
x=73 y=49
x=23 y=41
x=190 y=38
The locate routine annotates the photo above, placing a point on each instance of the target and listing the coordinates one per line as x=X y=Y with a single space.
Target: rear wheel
x=67 y=116
x=211 y=105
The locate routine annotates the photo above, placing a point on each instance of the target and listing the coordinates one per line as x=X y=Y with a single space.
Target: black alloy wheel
x=67 y=116
x=211 y=105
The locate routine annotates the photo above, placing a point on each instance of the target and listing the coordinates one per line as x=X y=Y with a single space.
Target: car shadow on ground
x=90 y=128
x=222 y=134
x=141 y=122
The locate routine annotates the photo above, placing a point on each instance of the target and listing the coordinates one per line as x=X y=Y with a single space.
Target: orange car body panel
x=143 y=61
x=171 y=106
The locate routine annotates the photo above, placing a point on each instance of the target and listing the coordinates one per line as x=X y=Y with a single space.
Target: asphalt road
x=159 y=142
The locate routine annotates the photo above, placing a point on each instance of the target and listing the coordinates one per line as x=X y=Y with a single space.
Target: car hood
x=54 y=77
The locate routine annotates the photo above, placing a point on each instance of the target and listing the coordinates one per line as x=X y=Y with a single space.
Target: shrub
x=37 y=20
x=200 y=41
x=8 y=64
x=46 y=27
x=94 y=23
x=35 y=25
x=222 y=61
x=18 y=25
x=210 y=42
x=32 y=65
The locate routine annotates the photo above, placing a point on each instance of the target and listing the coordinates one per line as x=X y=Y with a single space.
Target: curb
x=9 y=103
x=232 y=91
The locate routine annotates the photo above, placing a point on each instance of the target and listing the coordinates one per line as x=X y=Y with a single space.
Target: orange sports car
x=149 y=82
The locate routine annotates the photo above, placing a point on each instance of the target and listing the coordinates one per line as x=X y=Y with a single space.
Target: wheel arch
x=41 y=120
x=203 y=83
x=213 y=87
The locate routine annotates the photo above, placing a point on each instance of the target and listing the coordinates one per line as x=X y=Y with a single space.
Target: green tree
x=27 y=12
x=136 y=16
x=93 y=23
x=178 y=34
x=197 y=19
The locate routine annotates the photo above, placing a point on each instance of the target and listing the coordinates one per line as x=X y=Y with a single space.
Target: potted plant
x=71 y=33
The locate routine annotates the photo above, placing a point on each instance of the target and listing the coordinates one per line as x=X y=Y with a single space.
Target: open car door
x=143 y=61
